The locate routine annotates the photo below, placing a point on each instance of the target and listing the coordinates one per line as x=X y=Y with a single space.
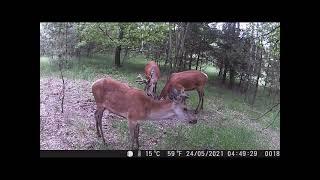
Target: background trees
x=246 y=55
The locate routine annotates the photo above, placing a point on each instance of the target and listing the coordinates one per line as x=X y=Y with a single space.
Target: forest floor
x=225 y=123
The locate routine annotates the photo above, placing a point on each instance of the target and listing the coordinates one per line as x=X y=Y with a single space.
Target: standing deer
x=186 y=81
x=134 y=105
x=152 y=73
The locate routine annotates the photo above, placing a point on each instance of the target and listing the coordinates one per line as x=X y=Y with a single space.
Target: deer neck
x=164 y=91
x=162 y=110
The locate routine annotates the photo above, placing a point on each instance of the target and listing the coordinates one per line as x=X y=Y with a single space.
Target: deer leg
x=155 y=88
x=199 y=94
x=98 y=116
x=202 y=97
x=137 y=135
x=107 y=113
x=132 y=130
x=185 y=105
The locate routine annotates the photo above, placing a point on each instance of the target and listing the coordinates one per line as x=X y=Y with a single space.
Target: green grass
x=121 y=127
x=148 y=129
x=175 y=139
x=235 y=138
x=201 y=136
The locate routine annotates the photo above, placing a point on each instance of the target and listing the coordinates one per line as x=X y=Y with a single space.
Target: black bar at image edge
x=162 y=153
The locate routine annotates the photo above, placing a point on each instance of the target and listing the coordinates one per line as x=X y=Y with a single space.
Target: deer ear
x=152 y=72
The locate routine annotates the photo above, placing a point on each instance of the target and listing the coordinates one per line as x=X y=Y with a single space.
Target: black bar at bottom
x=163 y=153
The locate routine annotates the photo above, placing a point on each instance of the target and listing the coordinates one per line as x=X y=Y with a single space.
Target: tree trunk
x=167 y=55
x=88 y=51
x=176 y=49
x=170 y=47
x=79 y=55
x=180 y=63
x=201 y=61
x=182 y=49
x=118 y=48
x=180 y=46
x=220 y=70
x=231 y=78
x=267 y=75
x=66 y=56
x=225 y=69
x=125 y=55
x=117 y=56
x=259 y=74
x=198 y=60
x=190 y=61
x=270 y=91
x=241 y=75
x=220 y=65
x=256 y=89
x=184 y=60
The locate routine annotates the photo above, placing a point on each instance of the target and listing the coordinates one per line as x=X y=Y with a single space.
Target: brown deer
x=134 y=105
x=186 y=81
x=152 y=74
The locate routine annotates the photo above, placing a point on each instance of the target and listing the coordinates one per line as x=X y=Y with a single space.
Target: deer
x=152 y=74
x=112 y=96
x=186 y=81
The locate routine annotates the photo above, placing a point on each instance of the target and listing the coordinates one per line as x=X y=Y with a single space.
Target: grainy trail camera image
x=160 y=85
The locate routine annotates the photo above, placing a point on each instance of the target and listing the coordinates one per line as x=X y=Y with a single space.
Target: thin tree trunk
x=231 y=78
x=66 y=56
x=88 y=51
x=248 y=81
x=167 y=55
x=241 y=75
x=170 y=47
x=220 y=65
x=182 y=49
x=220 y=70
x=176 y=49
x=225 y=69
x=257 y=83
x=184 y=61
x=118 y=48
x=259 y=68
x=190 y=60
x=267 y=76
x=198 y=60
x=201 y=61
x=63 y=84
x=125 y=55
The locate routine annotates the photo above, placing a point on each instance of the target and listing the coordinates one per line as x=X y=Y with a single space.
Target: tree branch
x=270 y=31
x=63 y=84
x=272 y=120
x=266 y=112
x=105 y=32
x=266 y=33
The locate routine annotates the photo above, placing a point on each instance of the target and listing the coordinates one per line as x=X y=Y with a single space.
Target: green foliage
x=106 y=33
